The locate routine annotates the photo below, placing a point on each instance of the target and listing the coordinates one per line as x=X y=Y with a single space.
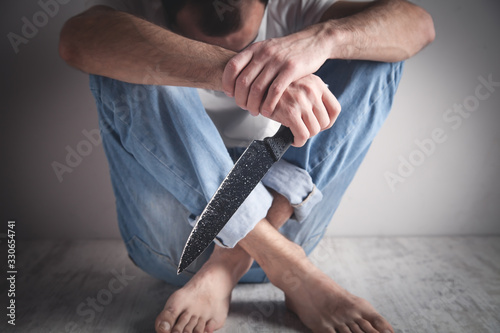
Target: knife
x=246 y=173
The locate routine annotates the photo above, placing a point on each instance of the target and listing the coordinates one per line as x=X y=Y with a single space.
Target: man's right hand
x=307 y=107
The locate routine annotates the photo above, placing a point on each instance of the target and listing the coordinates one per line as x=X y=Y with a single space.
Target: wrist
x=336 y=36
x=219 y=64
x=316 y=39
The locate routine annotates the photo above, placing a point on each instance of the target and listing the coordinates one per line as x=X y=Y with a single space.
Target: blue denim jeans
x=166 y=160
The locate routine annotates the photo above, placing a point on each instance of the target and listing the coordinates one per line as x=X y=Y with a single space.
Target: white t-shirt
x=282 y=17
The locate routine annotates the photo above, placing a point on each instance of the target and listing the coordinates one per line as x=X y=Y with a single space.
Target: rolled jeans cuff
x=296 y=185
x=253 y=209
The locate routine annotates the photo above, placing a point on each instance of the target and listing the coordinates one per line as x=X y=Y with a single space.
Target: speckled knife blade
x=247 y=172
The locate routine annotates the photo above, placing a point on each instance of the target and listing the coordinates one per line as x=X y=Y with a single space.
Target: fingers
x=244 y=84
x=233 y=69
x=246 y=78
x=300 y=133
x=312 y=114
x=322 y=116
x=276 y=90
x=257 y=78
x=259 y=90
x=332 y=107
x=325 y=110
x=310 y=106
x=307 y=107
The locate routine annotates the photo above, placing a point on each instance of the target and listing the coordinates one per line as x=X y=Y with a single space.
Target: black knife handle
x=284 y=133
x=280 y=142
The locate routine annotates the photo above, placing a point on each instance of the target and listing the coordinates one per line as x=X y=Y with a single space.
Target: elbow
x=68 y=51
x=69 y=48
x=427 y=28
x=423 y=32
x=75 y=39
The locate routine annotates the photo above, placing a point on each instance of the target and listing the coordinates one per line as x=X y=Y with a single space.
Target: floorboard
x=440 y=284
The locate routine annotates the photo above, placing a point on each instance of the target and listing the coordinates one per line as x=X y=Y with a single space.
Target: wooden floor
x=449 y=284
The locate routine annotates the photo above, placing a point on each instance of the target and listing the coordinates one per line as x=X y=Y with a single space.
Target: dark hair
x=216 y=18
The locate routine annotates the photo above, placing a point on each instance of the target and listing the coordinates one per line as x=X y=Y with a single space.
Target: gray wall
x=447 y=187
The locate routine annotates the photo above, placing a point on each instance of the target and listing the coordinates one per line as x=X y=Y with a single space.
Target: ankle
x=235 y=261
x=291 y=263
x=281 y=210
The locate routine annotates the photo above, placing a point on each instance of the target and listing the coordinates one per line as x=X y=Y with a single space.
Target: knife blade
x=246 y=173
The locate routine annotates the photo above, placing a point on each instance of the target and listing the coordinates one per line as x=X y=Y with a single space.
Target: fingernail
x=164 y=326
x=386 y=331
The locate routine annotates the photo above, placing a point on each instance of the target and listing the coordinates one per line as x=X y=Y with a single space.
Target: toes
x=381 y=325
x=211 y=326
x=366 y=326
x=193 y=322
x=165 y=320
x=375 y=325
x=355 y=328
x=342 y=329
x=181 y=323
x=163 y=326
x=200 y=327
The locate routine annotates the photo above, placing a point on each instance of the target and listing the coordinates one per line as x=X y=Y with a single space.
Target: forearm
x=385 y=30
x=121 y=46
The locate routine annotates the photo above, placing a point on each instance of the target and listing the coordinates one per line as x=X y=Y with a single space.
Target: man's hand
x=384 y=30
x=307 y=107
x=258 y=75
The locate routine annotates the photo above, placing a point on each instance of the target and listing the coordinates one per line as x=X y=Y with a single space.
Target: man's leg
x=317 y=175
x=166 y=160
x=321 y=304
x=365 y=91
x=202 y=304
x=181 y=313
x=283 y=261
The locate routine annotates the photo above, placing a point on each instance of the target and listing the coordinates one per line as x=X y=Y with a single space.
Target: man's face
x=251 y=16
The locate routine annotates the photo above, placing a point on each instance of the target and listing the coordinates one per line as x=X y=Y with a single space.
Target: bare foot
x=324 y=306
x=320 y=302
x=202 y=304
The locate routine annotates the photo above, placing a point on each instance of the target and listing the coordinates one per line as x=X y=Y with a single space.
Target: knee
x=360 y=81
x=154 y=263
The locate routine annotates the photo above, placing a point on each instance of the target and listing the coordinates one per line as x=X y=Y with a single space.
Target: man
x=256 y=64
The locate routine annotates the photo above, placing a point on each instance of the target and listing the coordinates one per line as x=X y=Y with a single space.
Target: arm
x=384 y=30
x=116 y=44
x=119 y=45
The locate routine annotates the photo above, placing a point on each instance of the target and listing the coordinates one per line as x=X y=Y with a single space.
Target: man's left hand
x=257 y=76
